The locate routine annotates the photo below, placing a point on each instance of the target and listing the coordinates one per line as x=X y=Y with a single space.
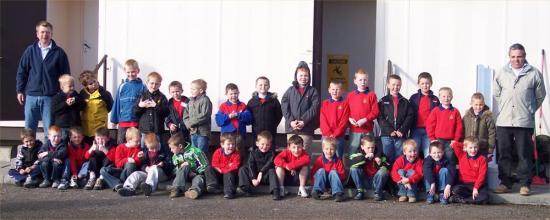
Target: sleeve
x=234 y=163
x=341 y=170
x=357 y=160
x=285 y=106
x=58 y=104
x=278 y=112
x=323 y=119
x=162 y=108
x=482 y=173
x=409 y=120
x=396 y=166
x=138 y=160
x=252 y=163
x=458 y=149
x=313 y=111
x=170 y=117
x=138 y=111
x=303 y=160
x=497 y=88
x=64 y=63
x=385 y=126
x=245 y=117
x=418 y=174
x=492 y=132
x=430 y=124
x=222 y=119
x=343 y=122
x=200 y=157
x=80 y=104
x=540 y=90
x=459 y=127
x=204 y=113
x=116 y=107
x=23 y=71
x=19 y=158
x=268 y=165
x=120 y=158
x=216 y=159
x=428 y=170
x=375 y=110
x=107 y=98
x=279 y=160
x=72 y=162
x=60 y=153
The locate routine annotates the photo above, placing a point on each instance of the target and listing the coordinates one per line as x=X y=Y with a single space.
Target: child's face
x=329 y=151
x=368 y=147
x=410 y=152
x=76 y=138
x=131 y=72
x=92 y=85
x=263 y=144
x=445 y=97
x=471 y=149
x=335 y=91
x=101 y=140
x=175 y=92
x=425 y=85
x=133 y=142
x=262 y=86
x=176 y=149
x=54 y=137
x=153 y=84
x=232 y=95
x=196 y=90
x=228 y=146
x=296 y=149
x=477 y=105
x=152 y=146
x=361 y=81
x=436 y=153
x=67 y=87
x=29 y=142
x=394 y=85
x=303 y=77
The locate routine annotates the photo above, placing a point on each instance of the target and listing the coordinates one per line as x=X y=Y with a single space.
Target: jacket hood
x=301 y=64
x=270 y=95
x=484 y=111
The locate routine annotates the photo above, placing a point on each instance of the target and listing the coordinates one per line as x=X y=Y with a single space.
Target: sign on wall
x=338 y=69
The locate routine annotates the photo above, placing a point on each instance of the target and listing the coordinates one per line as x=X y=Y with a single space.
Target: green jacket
x=482 y=127
x=194 y=156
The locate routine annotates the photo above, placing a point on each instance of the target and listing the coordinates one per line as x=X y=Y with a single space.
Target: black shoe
x=31 y=184
x=126 y=191
x=229 y=196
x=118 y=187
x=378 y=197
x=276 y=194
x=339 y=197
x=45 y=184
x=213 y=190
x=359 y=196
x=19 y=183
x=315 y=194
x=243 y=192
x=147 y=189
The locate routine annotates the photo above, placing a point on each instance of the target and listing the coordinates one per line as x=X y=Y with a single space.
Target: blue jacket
x=126 y=96
x=37 y=76
x=244 y=117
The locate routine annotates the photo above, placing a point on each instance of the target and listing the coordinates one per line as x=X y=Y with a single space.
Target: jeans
x=322 y=177
x=36 y=108
x=440 y=181
x=82 y=172
x=355 y=141
x=152 y=177
x=340 y=146
x=420 y=136
x=403 y=191
x=507 y=136
x=51 y=170
x=201 y=142
x=392 y=147
x=115 y=176
x=182 y=175
x=21 y=178
x=449 y=153
x=363 y=181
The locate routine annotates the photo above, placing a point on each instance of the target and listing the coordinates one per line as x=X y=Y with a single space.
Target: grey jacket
x=301 y=107
x=197 y=115
x=518 y=98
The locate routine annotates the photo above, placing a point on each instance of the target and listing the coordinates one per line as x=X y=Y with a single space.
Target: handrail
x=103 y=62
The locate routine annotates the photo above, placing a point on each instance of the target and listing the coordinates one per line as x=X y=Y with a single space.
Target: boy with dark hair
x=176 y=106
x=225 y=166
x=233 y=116
x=100 y=154
x=265 y=109
x=26 y=170
x=76 y=167
x=189 y=163
x=439 y=174
x=98 y=104
x=423 y=102
x=369 y=169
x=291 y=166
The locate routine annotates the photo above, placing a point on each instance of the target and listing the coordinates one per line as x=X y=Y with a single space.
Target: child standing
x=369 y=169
x=423 y=102
x=66 y=106
x=472 y=172
x=363 y=107
x=445 y=123
x=176 y=106
x=300 y=106
x=225 y=165
x=233 y=116
x=439 y=174
x=52 y=156
x=407 y=171
x=127 y=160
x=126 y=97
x=395 y=119
x=197 y=117
x=260 y=168
x=100 y=154
x=98 y=103
x=189 y=163
x=291 y=166
x=76 y=166
x=265 y=109
x=328 y=170
x=478 y=122
x=151 y=108
x=26 y=170
x=334 y=116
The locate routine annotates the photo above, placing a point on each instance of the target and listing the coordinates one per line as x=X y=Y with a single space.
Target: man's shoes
x=524 y=190
x=147 y=189
x=125 y=191
x=501 y=189
x=339 y=197
x=191 y=194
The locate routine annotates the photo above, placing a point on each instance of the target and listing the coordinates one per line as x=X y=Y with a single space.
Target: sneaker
x=378 y=197
x=339 y=197
x=30 y=183
x=73 y=183
x=63 y=185
x=229 y=196
x=174 y=193
x=359 y=196
x=55 y=184
x=45 y=184
x=315 y=195
x=501 y=189
x=90 y=184
x=442 y=200
x=282 y=192
x=19 y=183
x=213 y=190
x=302 y=192
x=126 y=191
x=118 y=187
x=429 y=198
x=402 y=199
x=147 y=189
x=276 y=194
x=524 y=190
x=98 y=184
x=191 y=194
x=243 y=192
x=412 y=199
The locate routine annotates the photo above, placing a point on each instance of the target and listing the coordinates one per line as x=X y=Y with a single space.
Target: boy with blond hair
x=52 y=157
x=151 y=107
x=407 y=172
x=197 y=116
x=478 y=122
x=328 y=172
x=128 y=157
x=472 y=173
x=66 y=106
x=98 y=104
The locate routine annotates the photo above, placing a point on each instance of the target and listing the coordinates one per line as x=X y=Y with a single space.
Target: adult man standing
x=37 y=76
x=519 y=91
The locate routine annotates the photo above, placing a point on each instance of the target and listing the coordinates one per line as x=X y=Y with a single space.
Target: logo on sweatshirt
x=339 y=107
x=364 y=101
x=452 y=117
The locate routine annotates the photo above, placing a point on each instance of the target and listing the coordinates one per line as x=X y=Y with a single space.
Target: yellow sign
x=338 y=69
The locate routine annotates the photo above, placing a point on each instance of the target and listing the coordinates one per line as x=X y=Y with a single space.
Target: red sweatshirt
x=123 y=153
x=334 y=118
x=470 y=169
x=287 y=159
x=403 y=164
x=328 y=165
x=444 y=124
x=77 y=156
x=226 y=163
x=363 y=105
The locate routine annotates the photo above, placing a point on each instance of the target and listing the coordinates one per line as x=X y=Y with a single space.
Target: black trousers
x=246 y=176
x=229 y=180
x=515 y=139
x=96 y=162
x=464 y=191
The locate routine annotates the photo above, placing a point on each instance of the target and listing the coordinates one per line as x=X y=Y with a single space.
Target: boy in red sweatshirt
x=334 y=116
x=445 y=123
x=77 y=165
x=328 y=169
x=363 y=108
x=407 y=171
x=225 y=165
x=291 y=166
x=472 y=170
x=128 y=158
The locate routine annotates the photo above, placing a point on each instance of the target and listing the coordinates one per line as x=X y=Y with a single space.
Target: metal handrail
x=102 y=62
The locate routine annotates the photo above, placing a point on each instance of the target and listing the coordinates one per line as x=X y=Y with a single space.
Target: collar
x=332 y=100
x=364 y=92
x=442 y=108
x=197 y=97
x=430 y=93
x=223 y=152
x=472 y=158
x=229 y=103
x=333 y=160
x=407 y=161
x=526 y=67
x=47 y=47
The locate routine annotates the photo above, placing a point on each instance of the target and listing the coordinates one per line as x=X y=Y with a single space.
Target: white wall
x=450 y=38
x=219 y=41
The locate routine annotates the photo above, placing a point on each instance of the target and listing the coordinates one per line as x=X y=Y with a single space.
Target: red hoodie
x=286 y=159
x=77 y=156
x=334 y=164
x=334 y=118
x=470 y=169
x=226 y=163
x=403 y=164
x=123 y=153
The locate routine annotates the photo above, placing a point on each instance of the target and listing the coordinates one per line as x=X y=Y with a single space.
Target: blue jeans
x=420 y=136
x=115 y=176
x=363 y=181
x=392 y=147
x=81 y=173
x=21 y=178
x=449 y=153
x=340 y=146
x=440 y=181
x=38 y=108
x=51 y=170
x=355 y=140
x=201 y=142
x=321 y=179
x=402 y=190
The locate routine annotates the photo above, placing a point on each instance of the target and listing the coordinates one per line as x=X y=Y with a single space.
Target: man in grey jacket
x=519 y=91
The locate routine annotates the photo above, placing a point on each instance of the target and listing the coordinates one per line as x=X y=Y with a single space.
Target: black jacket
x=66 y=116
x=59 y=152
x=152 y=119
x=267 y=115
x=404 y=120
x=26 y=157
x=260 y=162
x=177 y=119
x=429 y=165
x=163 y=156
x=415 y=102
